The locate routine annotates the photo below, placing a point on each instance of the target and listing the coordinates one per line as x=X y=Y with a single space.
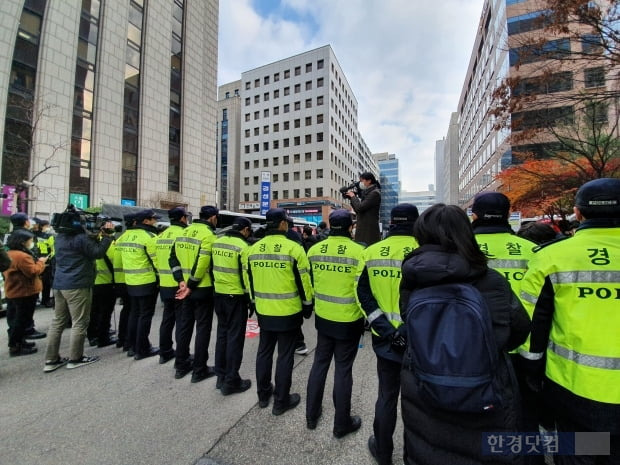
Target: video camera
x=74 y=221
x=354 y=186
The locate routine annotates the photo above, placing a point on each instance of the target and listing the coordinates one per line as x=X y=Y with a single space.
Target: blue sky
x=404 y=59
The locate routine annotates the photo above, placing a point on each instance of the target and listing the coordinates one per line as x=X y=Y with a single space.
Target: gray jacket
x=75 y=260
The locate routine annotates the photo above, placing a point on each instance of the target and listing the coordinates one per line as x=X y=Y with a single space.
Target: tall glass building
x=389 y=177
x=107 y=101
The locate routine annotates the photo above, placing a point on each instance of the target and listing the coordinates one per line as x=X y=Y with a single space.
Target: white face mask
x=30 y=245
x=362 y=186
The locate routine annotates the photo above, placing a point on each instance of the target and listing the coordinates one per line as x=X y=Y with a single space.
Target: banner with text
x=265 y=191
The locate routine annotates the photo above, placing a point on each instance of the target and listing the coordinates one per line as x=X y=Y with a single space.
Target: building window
x=287 y=108
x=247 y=85
x=296 y=158
x=319 y=64
x=297 y=123
x=308 y=103
x=287 y=125
x=319 y=173
x=266 y=129
x=528 y=22
x=276 y=93
x=285 y=159
x=256 y=83
x=266 y=96
x=594 y=77
x=248 y=101
x=319 y=82
x=308 y=156
x=246 y=197
x=286 y=142
x=257 y=98
x=319 y=155
x=247 y=117
x=308 y=174
x=276 y=127
x=275 y=177
x=276 y=161
x=256 y=114
x=266 y=80
x=276 y=111
x=285 y=177
x=255 y=179
x=297 y=105
x=296 y=140
x=246 y=181
x=297 y=88
x=276 y=77
x=319 y=118
x=265 y=146
x=256 y=147
x=255 y=163
x=297 y=70
x=319 y=100
x=308 y=120
x=287 y=73
x=247 y=133
x=256 y=131
x=255 y=196
x=274 y=194
x=265 y=162
x=319 y=192
x=319 y=137
x=276 y=144
x=308 y=85
x=287 y=90
x=295 y=193
x=308 y=67
x=266 y=112
x=285 y=194
x=247 y=149
x=307 y=192
x=308 y=138
x=554 y=49
x=246 y=165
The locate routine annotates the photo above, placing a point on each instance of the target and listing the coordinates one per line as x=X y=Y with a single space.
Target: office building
x=421 y=199
x=447 y=164
x=108 y=102
x=389 y=178
x=299 y=129
x=228 y=140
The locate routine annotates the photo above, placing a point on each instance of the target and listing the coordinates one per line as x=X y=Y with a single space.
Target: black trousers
x=142 y=311
x=566 y=425
x=104 y=300
x=343 y=351
x=18 y=316
x=166 y=327
x=46 y=278
x=284 y=364
x=199 y=311
x=123 y=318
x=386 y=406
x=232 y=315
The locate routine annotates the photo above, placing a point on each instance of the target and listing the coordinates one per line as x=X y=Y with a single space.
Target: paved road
x=122 y=412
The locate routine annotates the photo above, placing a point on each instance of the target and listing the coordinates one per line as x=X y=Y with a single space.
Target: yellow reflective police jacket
x=333 y=264
x=117 y=261
x=105 y=268
x=273 y=268
x=575 y=286
x=227 y=255
x=137 y=250
x=163 y=244
x=190 y=259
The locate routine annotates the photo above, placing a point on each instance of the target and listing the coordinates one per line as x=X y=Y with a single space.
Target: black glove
x=251 y=309
x=534 y=373
x=306 y=310
x=398 y=342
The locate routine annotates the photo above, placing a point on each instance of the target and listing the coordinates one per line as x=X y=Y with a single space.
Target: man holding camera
x=76 y=252
x=366 y=203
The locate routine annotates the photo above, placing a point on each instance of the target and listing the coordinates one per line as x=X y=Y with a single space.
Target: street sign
x=79 y=200
x=265 y=191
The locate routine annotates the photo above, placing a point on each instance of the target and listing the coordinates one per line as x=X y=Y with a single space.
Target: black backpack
x=451 y=348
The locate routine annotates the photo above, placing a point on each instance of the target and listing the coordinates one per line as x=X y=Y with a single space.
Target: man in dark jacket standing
x=76 y=253
x=367 y=209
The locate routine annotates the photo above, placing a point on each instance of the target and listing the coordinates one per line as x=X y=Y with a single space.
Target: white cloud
x=404 y=59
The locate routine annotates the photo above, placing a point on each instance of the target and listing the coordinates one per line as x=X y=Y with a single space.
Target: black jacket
x=434 y=436
x=75 y=260
x=367 y=210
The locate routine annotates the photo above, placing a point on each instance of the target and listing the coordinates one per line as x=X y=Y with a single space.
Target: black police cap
x=603 y=193
x=404 y=213
x=491 y=206
x=340 y=220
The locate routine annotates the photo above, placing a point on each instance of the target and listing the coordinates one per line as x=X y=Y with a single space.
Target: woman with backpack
x=22 y=285
x=461 y=319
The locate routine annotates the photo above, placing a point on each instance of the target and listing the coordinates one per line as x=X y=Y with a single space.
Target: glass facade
x=176 y=65
x=20 y=117
x=84 y=93
x=390 y=188
x=131 y=111
x=224 y=160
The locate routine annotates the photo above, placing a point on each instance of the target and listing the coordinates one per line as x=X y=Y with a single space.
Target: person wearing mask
x=76 y=252
x=190 y=262
x=21 y=221
x=231 y=305
x=339 y=322
x=120 y=287
x=378 y=293
x=167 y=284
x=278 y=277
x=435 y=432
x=22 y=284
x=571 y=287
x=366 y=207
x=137 y=252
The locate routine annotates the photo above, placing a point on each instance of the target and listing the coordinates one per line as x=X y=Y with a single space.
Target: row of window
x=320 y=64
x=559 y=82
x=286 y=91
x=285 y=176
x=286 y=108
x=286 y=159
x=285 y=125
x=275 y=195
x=286 y=142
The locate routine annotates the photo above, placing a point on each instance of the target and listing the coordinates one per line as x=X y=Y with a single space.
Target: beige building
x=123 y=99
x=228 y=145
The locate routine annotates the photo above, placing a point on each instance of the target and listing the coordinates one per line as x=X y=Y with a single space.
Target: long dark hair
x=448 y=227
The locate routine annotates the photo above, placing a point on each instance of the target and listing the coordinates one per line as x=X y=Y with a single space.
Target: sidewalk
x=124 y=412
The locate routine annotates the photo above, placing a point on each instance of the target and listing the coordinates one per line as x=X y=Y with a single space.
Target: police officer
x=120 y=287
x=104 y=299
x=190 y=262
x=509 y=254
x=45 y=246
x=378 y=293
x=231 y=305
x=277 y=274
x=138 y=255
x=339 y=322
x=167 y=284
x=573 y=289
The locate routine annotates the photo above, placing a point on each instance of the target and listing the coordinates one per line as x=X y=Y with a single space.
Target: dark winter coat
x=367 y=210
x=434 y=436
x=75 y=260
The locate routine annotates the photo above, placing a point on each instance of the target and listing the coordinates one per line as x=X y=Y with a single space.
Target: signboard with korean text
x=8 y=200
x=79 y=200
x=265 y=191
